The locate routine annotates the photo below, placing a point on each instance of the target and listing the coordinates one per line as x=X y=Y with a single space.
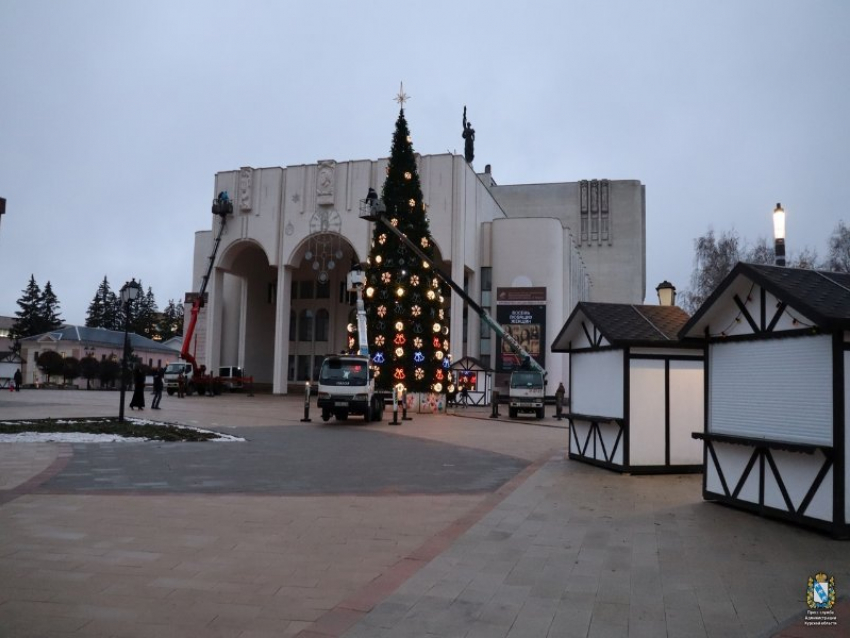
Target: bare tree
x=761 y=252
x=764 y=253
x=715 y=257
x=807 y=258
x=838 y=254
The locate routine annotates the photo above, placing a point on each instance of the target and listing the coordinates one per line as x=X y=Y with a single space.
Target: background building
x=277 y=300
x=100 y=343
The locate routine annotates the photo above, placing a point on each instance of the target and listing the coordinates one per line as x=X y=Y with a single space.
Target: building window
x=304 y=361
x=584 y=197
x=322 y=321
x=306 y=289
x=305 y=326
x=292 y=332
x=271 y=296
x=323 y=290
x=486 y=278
x=603 y=207
x=291 y=374
x=345 y=296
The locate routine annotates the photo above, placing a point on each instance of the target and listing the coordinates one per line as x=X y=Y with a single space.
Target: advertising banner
x=521 y=313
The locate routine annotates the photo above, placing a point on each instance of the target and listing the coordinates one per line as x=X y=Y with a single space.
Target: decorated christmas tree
x=405 y=307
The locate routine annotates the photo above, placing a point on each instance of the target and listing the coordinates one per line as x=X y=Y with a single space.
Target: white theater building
x=276 y=297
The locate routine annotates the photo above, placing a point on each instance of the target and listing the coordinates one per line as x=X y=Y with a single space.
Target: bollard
x=306 y=418
x=404 y=416
x=395 y=408
x=495 y=400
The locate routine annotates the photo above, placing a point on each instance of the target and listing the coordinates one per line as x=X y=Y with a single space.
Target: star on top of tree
x=402 y=97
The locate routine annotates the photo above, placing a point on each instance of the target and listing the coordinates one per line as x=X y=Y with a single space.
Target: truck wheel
x=541 y=413
x=377 y=409
x=512 y=412
x=190 y=389
x=326 y=415
x=341 y=415
x=170 y=392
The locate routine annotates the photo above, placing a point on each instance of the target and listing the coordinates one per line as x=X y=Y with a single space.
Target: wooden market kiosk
x=777 y=386
x=636 y=390
x=470 y=373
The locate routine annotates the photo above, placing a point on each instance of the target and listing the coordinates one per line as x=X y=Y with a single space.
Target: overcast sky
x=115 y=116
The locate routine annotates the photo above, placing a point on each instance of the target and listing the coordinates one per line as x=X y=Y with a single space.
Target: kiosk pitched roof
x=824 y=297
x=628 y=324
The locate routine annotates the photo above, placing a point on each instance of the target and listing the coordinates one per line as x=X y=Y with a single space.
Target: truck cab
x=526 y=393
x=346 y=386
x=172 y=372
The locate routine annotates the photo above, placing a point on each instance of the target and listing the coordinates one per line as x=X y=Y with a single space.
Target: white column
x=214 y=311
x=243 y=321
x=281 y=330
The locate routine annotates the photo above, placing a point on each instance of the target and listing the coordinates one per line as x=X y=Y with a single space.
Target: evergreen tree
x=172 y=320
x=100 y=308
x=115 y=313
x=28 y=321
x=49 y=310
x=406 y=319
x=144 y=314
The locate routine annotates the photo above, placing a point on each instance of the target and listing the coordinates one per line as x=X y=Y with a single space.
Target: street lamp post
x=666 y=294
x=129 y=292
x=779 y=234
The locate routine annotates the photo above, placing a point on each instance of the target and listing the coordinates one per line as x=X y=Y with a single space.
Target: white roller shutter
x=597 y=383
x=778 y=389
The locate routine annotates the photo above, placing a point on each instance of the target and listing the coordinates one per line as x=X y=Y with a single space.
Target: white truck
x=346 y=382
x=526 y=393
x=172 y=375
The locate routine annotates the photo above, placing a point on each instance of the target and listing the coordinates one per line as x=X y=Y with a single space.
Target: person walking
x=19 y=379
x=138 y=400
x=464 y=394
x=181 y=386
x=157 y=389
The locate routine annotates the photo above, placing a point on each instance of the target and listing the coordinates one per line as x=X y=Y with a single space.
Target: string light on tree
x=407 y=299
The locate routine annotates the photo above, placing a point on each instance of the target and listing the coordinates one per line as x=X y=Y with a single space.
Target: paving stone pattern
x=449 y=525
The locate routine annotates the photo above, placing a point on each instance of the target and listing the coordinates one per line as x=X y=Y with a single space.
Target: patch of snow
x=82 y=437
x=67 y=437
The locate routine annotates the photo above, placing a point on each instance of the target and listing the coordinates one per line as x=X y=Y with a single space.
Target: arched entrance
x=320 y=306
x=244 y=326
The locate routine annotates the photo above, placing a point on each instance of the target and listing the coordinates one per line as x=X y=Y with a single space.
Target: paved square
x=449 y=525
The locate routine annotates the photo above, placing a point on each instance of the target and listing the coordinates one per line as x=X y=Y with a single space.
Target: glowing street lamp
x=779 y=234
